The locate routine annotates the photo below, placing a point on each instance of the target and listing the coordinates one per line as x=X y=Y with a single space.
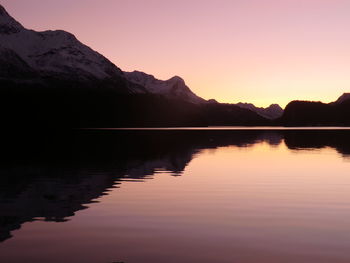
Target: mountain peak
x=177 y=79
x=54 y=53
x=274 y=111
x=8 y=25
x=275 y=107
x=174 y=87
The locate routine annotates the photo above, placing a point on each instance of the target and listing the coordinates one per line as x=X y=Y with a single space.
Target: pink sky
x=259 y=51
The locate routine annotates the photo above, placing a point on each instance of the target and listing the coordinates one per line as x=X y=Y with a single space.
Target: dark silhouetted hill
x=305 y=113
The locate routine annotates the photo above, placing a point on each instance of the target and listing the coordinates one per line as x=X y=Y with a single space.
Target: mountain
x=44 y=58
x=51 y=79
x=53 y=52
x=58 y=54
x=274 y=111
x=171 y=88
x=306 y=113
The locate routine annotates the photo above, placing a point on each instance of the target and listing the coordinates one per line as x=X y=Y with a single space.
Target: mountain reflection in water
x=50 y=178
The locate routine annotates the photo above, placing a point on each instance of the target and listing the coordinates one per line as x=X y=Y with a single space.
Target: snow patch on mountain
x=172 y=88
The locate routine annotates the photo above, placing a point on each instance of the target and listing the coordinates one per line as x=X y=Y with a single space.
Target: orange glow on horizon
x=255 y=51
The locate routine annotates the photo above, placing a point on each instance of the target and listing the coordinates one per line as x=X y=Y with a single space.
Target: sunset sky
x=259 y=51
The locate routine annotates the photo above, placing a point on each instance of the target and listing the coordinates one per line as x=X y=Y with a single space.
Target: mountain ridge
x=274 y=111
x=174 y=87
x=59 y=54
x=50 y=75
x=51 y=79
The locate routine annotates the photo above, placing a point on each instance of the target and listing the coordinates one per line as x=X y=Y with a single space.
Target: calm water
x=242 y=196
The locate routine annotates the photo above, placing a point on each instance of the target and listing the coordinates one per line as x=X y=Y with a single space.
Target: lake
x=183 y=195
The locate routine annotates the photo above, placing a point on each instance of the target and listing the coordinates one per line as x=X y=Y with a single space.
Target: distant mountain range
x=274 y=111
x=51 y=78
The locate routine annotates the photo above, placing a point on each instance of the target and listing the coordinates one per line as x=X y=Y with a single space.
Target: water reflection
x=50 y=178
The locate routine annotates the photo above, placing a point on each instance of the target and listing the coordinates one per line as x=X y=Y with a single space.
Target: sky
x=258 y=51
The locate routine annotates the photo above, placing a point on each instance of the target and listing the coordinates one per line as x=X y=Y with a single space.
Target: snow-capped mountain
x=53 y=52
x=86 y=86
x=59 y=54
x=274 y=111
x=172 y=88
